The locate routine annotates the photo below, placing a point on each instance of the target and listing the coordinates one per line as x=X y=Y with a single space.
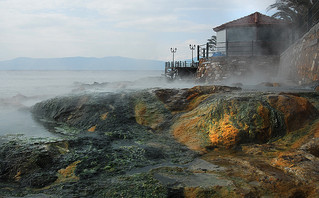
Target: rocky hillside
x=207 y=141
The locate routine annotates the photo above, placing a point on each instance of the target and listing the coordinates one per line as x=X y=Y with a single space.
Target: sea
x=20 y=90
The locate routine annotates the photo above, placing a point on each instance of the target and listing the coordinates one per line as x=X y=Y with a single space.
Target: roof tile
x=252 y=19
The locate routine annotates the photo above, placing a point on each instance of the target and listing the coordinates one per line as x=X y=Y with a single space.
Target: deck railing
x=243 y=48
x=172 y=64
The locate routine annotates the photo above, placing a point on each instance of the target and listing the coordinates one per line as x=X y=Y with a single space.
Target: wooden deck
x=180 y=70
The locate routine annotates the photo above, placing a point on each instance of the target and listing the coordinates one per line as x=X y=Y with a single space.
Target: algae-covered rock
x=122 y=145
x=29 y=164
x=177 y=100
x=189 y=129
x=229 y=120
x=238 y=120
x=297 y=111
x=95 y=112
x=103 y=136
x=106 y=112
x=150 y=112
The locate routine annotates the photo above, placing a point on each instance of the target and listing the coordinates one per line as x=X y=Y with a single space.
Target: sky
x=142 y=29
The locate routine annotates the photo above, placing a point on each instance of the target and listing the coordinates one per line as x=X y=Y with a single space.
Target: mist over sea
x=33 y=83
x=19 y=90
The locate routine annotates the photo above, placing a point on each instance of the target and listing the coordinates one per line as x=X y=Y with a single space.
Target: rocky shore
x=205 y=141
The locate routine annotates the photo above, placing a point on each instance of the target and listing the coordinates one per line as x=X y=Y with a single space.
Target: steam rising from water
x=19 y=90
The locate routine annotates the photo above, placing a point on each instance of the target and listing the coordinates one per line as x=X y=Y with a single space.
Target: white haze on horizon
x=53 y=83
x=19 y=90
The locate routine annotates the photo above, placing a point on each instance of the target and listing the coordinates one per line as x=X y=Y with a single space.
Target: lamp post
x=173 y=50
x=192 y=47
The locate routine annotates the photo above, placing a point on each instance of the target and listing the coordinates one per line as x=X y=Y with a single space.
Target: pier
x=180 y=69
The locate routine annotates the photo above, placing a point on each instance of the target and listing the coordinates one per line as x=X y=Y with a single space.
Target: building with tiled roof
x=252 y=35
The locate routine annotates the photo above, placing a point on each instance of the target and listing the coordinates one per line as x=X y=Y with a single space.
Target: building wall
x=242 y=34
x=254 y=40
x=238 y=69
x=300 y=62
x=221 y=41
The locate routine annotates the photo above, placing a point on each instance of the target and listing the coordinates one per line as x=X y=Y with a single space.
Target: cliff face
x=300 y=62
x=208 y=141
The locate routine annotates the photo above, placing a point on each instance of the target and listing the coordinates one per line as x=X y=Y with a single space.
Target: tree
x=294 y=11
x=212 y=42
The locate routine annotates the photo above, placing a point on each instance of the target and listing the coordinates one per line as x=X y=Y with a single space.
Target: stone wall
x=299 y=63
x=236 y=69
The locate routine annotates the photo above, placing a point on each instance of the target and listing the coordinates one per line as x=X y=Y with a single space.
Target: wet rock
x=187 y=99
x=297 y=111
x=189 y=129
x=92 y=113
x=31 y=165
x=150 y=112
x=298 y=163
x=237 y=84
x=39 y=180
x=312 y=147
x=228 y=121
x=154 y=153
x=243 y=120
x=121 y=144
x=269 y=84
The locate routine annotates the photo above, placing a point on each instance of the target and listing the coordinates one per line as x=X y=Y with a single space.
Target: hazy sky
x=97 y=28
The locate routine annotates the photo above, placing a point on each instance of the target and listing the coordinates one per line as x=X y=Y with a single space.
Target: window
x=241 y=34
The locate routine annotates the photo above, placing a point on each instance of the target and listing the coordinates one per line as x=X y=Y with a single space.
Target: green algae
x=121 y=146
x=137 y=185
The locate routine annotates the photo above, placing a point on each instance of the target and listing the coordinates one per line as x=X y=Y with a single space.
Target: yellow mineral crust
x=223 y=132
x=92 y=129
x=104 y=116
x=147 y=116
x=68 y=174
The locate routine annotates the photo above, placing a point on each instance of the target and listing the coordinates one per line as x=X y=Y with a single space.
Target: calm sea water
x=30 y=83
x=19 y=90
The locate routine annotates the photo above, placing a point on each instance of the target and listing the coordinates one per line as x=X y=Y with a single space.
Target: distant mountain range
x=81 y=63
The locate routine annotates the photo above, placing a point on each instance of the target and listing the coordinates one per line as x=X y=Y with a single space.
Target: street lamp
x=192 y=47
x=173 y=50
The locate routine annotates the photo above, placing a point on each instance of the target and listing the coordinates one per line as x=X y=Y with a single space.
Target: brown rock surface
x=188 y=129
x=230 y=120
x=227 y=122
x=177 y=100
x=253 y=144
x=297 y=111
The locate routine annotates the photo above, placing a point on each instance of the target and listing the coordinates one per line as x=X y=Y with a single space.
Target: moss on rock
x=227 y=120
x=132 y=151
